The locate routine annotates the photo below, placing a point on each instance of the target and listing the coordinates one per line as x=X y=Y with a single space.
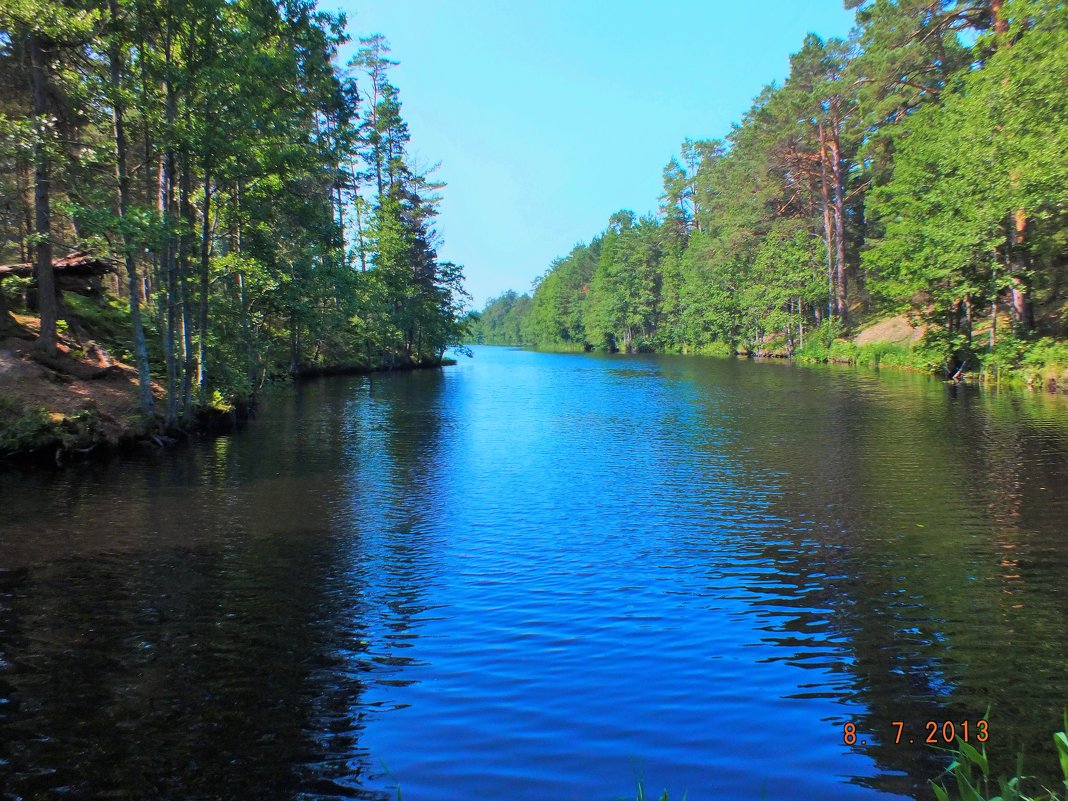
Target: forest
x=252 y=201
x=917 y=169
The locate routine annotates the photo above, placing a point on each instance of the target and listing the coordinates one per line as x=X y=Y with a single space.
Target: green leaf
x=974 y=756
x=965 y=788
x=1061 y=739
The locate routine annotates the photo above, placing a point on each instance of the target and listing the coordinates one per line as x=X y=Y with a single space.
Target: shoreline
x=1048 y=385
x=55 y=438
x=80 y=408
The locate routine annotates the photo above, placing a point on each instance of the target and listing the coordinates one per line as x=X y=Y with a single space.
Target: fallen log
x=78 y=272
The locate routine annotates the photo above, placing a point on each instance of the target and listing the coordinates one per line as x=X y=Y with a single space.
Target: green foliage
x=22 y=429
x=969 y=170
x=622 y=306
x=713 y=349
x=25 y=430
x=920 y=166
x=641 y=795
x=14 y=288
x=1045 y=353
x=885 y=354
x=504 y=321
x=1004 y=358
x=740 y=257
x=872 y=354
x=261 y=193
x=108 y=324
x=1034 y=362
x=558 y=308
x=967 y=778
x=903 y=170
x=828 y=331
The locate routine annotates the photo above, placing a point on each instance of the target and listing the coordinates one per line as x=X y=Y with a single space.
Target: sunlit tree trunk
x=838 y=186
x=1023 y=312
x=828 y=225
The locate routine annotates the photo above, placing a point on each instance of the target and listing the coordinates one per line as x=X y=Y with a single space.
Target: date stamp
x=934 y=732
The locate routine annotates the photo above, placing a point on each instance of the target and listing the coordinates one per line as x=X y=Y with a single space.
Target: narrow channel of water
x=536 y=576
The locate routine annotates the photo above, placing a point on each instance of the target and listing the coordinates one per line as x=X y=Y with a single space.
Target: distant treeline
x=258 y=198
x=919 y=167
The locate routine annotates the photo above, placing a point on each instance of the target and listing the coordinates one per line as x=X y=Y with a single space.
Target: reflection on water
x=531 y=576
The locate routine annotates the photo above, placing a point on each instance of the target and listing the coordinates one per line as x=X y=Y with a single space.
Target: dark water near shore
x=537 y=576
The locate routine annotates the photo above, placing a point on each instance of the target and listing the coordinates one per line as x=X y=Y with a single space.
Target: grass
x=712 y=349
x=643 y=797
x=1044 y=362
x=25 y=430
x=872 y=354
x=1035 y=363
x=968 y=777
x=109 y=325
x=1041 y=363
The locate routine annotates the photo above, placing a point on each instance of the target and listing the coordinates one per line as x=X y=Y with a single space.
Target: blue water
x=545 y=576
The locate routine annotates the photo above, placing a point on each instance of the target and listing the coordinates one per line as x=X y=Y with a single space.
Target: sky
x=550 y=115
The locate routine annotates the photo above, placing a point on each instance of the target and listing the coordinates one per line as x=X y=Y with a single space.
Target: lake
x=541 y=576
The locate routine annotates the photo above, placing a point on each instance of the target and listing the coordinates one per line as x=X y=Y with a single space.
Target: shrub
x=842 y=350
x=23 y=429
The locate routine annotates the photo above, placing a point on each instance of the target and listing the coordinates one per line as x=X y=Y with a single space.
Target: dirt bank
x=63 y=407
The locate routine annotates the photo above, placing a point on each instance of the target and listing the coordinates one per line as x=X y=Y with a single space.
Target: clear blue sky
x=548 y=116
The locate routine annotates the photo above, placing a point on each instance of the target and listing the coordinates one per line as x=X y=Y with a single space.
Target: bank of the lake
x=894 y=342
x=83 y=403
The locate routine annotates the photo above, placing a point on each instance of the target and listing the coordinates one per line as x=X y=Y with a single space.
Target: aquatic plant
x=968 y=776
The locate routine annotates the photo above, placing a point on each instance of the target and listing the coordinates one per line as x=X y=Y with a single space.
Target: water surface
x=539 y=576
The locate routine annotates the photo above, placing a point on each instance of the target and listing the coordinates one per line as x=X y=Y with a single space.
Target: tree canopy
x=916 y=167
x=259 y=196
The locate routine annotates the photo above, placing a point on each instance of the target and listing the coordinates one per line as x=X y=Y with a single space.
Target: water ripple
x=530 y=576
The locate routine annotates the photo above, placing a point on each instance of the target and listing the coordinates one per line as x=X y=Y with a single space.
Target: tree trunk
x=153 y=271
x=205 y=255
x=140 y=347
x=294 y=345
x=24 y=184
x=341 y=220
x=8 y=326
x=46 y=277
x=170 y=276
x=1023 y=311
x=246 y=315
x=188 y=352
x=838 y=179
x=168 y=258
x=360 y=242
x=997 y=17
x=828 y=227
x=206 y=160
